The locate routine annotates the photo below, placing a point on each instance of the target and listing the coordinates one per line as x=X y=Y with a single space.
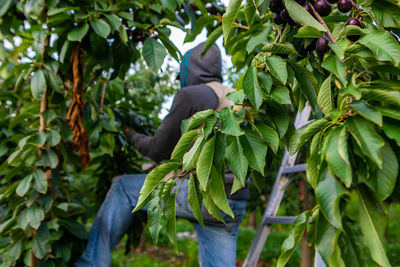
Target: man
x=217 y=241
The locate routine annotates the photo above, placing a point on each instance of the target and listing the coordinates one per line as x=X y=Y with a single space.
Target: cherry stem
x=356 y=7
x=322 y=22
x=237 y=25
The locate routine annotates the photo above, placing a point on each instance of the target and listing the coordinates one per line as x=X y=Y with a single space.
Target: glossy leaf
x=229 y=18
x=325 y=98
x=301 y=16
x=38 y=85
x=190 y=157
x=367 y=112
x=252 y=88
x=77 y=34
x=195 y=199
x=101 y=27
x=153 y=53
x=254 y=150
x=205 y=162
x=183 y=144
x=230 y=122
x=277 y=67
x=237 y=163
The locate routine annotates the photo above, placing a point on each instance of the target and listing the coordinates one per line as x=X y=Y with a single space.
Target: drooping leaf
x=199 y=118
x=303 y=134
x=337 y=155
x=32 y=216
x=230 y=122
x=277 y=67
x=205 y=162
x=195 y=199
x=372 y=224
x=254 y=150
x=190 y=157
x=281 y=95
x=77 y=33
x=387 y=49
x=217 y=191
x=237 y=163
x=335 y=66
x=329 y=192
x=309 y=32
x=24 y=185
x=252 y=88
x=101 y=27
x=154 y=212
x=367 y=138
x=325 y=96
x=367 y=112
x=183 y=144
x=153 y=179
x=39 y=181
x=153 y=53
x=211 y=207
x=307 y=82
x=291 y=242
x=269 y=135
x=229 y=18
x=38 y=85
x=170 y=215
x=383 y=181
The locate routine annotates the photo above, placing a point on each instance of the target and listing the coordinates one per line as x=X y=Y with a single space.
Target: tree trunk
x=253 y=220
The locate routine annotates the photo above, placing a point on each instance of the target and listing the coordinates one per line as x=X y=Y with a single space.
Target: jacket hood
x=196 y=70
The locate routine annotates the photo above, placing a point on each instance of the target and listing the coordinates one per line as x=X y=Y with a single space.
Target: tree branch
x=319 y=18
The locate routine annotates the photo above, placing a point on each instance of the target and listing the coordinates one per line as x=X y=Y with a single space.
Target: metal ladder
x=281 y=182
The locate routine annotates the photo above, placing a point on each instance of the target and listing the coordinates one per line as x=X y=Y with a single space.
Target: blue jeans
x=217 y=241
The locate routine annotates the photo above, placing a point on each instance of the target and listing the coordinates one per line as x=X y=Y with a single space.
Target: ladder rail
x=274 y=201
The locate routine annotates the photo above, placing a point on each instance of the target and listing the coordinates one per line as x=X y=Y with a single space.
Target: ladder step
x=279 y=220
x=295 y=168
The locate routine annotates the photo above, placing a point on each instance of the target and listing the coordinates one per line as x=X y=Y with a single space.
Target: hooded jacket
x=193 y=97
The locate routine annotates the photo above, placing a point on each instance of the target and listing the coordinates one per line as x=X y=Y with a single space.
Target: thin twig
x=237 y=25
x=102 y=96
x=322 y=22
x=356 y=7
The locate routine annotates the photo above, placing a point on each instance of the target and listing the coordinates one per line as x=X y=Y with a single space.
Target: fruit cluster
x=323 y=8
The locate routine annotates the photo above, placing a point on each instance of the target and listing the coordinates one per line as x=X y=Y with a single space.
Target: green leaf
x=277 y=67
x=107 y=143
x=153 y=53
x=353 y=253
x=55 y=82
x=335 y=66
x=155 y=213
x=327 y=243
x=53 y=137
x=280 y=49
x=392 y=130
x=190 y=158
x=153 y=179
x=114 y=20
x=183 y=144
x=252 y=88
x=303 y=134
x=39 y=181
x=230 y=122
x=123 y=35
x=24 y=185
x=387 y=49
x=281 y=95
x=229 y=18
x=337 y=155
x=63 y=51
x=295 y=235
x=169 y=4
x=254 y=150
x=201 y=6
x=32 y=216
x=308 y=83
x=301 y=16
x=265 y=81
x=329 y=192
x=372 y=224
x=38 y=85
x=205 y=163
x=101 y=27
x=4 y=6
x=237 y=163
x=170 y=215
x=385 y=96
x=250 y=12
x=211 y=39
x=312 y=170
x=269 y=135
x=41 y=246
x=77 y=33
x=195 y=199
x=325 y=96
x=34 y=8
x=259 y=38
x=211 y=207
x=199 y=118
x=367 y=112
x=367 y=138
x=383 y=181
x=308 y=32
x=217 y=191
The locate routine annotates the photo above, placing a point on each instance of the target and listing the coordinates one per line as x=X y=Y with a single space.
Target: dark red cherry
x=355 y=22
x=276 y=6
x=277 y=19
x=323 y=8
x=345 y=5
x=322 y=45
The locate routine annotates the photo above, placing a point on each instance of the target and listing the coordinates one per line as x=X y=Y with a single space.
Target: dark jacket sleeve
x=160 y=146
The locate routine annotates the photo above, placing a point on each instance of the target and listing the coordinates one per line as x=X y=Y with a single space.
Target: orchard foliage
x=343 y=60
x=72 y=76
